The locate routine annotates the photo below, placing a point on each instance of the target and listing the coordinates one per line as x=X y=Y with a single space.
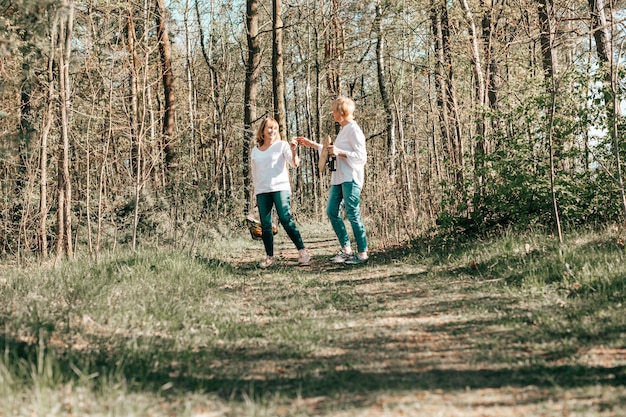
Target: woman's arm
x=308 y=143
x=295 y=159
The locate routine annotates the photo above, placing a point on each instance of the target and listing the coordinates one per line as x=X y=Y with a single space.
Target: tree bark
x=64 y=213
x=481 y=96
x=218 y=174
x=171 y=158
x=445 y=92
x=278 y=77
x=548 y=53
x=604 y=47
x=600 y=30
x=253 y=63
x=43 y=150
x=489 y=26
x=334 y=51
x=384 y=94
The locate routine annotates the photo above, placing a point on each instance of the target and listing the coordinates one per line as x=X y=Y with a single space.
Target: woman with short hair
x=346 y=181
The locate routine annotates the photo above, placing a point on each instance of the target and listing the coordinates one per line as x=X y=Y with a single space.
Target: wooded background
x=125 y=122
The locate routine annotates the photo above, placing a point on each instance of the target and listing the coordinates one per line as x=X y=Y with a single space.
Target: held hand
x=304 y=141
x=293 y=143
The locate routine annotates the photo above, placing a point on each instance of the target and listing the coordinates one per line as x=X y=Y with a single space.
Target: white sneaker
x=341 y=257
x=267 y=262
x=304 y=259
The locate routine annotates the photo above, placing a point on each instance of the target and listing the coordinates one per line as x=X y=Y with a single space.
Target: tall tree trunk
x=480 y=102
x=446 y=95
x=250 y=93
x=334 y=51
x=278 y=77
x=435 y=171
x=64 y=218
x=617 y=143
x=219 y=174
x=43 y=150
x=382 y=86
x=476 y=61
x=600 y=29
x=29 y=113
x=550 y=67
x=548 y=53
x=491 y=17
x=165 y=51
x=555 y=204
x=489 y=27
x=191 y=102
x=604 y=48
x=102 y=183
x=134 y=123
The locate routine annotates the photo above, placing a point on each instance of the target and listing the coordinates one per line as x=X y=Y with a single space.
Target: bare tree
x=43 y=147
x=64 y=196
x=550 y=67
x=479 y=83
x=335 y=49
x=135 y=134
x=600 y=28
x=278 y=77
x=447 y=106
x=253 y=63
x=165 y=50
x=384 y=94
x=548 y=52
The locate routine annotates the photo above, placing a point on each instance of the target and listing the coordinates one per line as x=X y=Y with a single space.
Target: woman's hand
x=335 y=151
x=293 y=144
x=305 y=141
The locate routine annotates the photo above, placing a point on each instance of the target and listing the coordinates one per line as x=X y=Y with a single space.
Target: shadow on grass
x=234 y=377
x=362 y=364
x=236 y=373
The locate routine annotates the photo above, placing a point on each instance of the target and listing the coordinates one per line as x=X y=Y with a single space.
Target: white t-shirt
x=350 y=140
x=269 y=168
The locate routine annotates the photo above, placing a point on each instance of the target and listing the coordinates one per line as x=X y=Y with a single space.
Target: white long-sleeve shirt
x=351 y=141
x=269 y=168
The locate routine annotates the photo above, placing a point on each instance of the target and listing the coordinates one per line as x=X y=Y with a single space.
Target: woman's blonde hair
x=260 y=133
x=344 y=106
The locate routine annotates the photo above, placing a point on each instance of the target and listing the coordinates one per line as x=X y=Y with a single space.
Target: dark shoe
x=340 y=258
x=355 y=260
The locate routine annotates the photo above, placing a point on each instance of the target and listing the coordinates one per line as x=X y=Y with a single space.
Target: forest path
x=434 y=340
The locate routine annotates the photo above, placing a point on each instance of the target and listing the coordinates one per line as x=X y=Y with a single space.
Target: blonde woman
x=272 y=188
x=346 y=181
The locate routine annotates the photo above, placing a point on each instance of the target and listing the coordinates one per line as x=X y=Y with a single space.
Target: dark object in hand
x=332 y=163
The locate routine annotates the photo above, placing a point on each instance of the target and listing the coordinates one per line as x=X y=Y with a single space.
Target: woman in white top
x=270 y=176
x=346 y=181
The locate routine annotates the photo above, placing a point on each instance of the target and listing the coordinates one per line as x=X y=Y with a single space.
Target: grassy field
x=516 y=326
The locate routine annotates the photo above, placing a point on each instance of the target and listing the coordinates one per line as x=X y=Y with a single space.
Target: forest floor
x=512 y=326
x=421 y=338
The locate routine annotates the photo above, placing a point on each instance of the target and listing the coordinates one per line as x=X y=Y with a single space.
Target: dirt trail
x=445 y=348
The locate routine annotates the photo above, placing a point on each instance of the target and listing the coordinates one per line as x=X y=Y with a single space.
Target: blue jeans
x=280 y=199
x=350 y=194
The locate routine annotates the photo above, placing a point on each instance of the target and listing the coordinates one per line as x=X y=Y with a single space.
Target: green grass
x=515 y=325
